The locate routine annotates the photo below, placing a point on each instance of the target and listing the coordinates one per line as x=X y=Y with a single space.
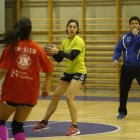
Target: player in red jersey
x=20 y=64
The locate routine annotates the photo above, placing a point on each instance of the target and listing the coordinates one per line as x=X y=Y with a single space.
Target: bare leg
x=5 y=112
x=60 y=90
x=20 y=117
x=22 y=114
x=72 y=90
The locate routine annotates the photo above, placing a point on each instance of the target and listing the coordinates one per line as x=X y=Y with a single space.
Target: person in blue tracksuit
x=129 y=47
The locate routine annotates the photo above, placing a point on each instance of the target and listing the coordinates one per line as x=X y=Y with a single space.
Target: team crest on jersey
x=23 y=61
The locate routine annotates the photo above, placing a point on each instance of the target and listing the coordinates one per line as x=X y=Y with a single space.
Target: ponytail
x=21 y=30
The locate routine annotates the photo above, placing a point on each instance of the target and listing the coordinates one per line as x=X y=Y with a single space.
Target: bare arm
x=46 y=85
x=2 y=73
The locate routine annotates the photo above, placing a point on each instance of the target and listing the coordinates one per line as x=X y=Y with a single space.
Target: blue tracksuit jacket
x=129 y=45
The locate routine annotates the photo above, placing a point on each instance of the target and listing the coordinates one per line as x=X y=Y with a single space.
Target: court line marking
x=118 y=129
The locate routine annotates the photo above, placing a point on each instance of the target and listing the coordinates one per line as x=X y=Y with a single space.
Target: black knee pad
x=2 y=122
x=17 y=127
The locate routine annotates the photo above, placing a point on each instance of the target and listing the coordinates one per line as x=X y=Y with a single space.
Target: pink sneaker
x=40 y=127
x=73 y=131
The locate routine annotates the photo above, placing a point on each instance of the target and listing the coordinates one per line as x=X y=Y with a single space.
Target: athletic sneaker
x=40 y=127
x=121 y=116
x=73 y=131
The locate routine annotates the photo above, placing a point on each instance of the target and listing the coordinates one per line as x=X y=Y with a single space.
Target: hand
x=116 y=63
x=134 y=31
x=44 y=94
x=51 y=49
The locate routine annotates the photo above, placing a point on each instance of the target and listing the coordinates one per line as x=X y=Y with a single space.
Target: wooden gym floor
x=95 y=112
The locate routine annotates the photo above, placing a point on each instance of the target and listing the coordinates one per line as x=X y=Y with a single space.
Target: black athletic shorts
x=77 y=76
x=18 y=104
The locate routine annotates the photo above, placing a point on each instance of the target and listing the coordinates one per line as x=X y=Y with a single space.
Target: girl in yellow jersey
x=73 y=50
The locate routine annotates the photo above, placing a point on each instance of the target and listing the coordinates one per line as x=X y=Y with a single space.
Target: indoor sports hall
x=102 y=23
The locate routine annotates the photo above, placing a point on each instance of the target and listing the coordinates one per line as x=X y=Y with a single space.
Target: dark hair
x=21 y=30
x=76 y=22
x=134 y=18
